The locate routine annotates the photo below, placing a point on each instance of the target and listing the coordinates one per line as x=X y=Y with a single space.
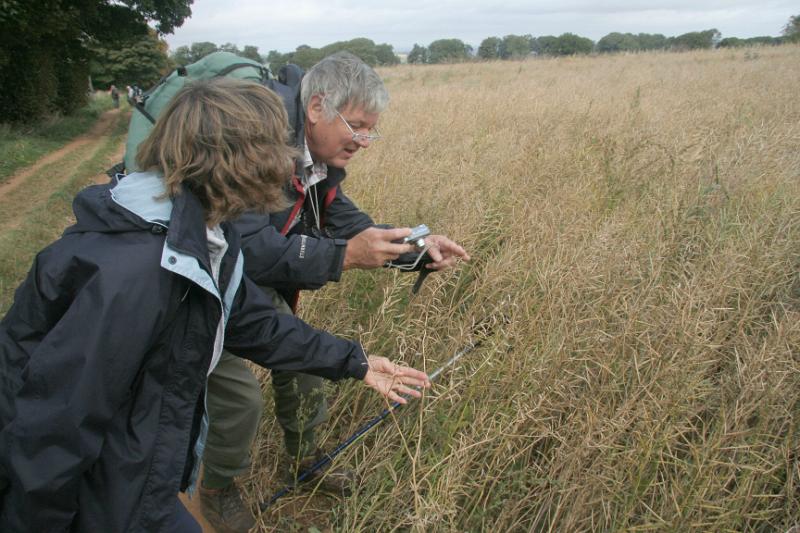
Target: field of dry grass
x=637 y=220
x=634 y=223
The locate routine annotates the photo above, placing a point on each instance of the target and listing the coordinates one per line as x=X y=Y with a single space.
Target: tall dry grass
x=637 y=219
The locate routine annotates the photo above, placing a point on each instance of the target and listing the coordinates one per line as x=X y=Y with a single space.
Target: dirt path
x=30 y=187
x=115 y=158
x=100 y=130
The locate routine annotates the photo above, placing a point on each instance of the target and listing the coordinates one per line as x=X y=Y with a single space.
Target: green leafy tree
x=142 y=61
x=46 y=47
x=385 y=55
x=202 y=49
x=306 y=56
x=545 y=45
x=761 y=40
x=732 y=42
x=418 y=54
x=618 y=42
x=792 y=29
x=184 y=55
x=764 y=40
x=275 y=60
x=251 y=52
x=229 y=47
x=361 y=47
x=489 y=48
x=568 y=44
x=448 y=51
x=696 y=40
x=652 y=41
x=181 y=56
x=515 y=47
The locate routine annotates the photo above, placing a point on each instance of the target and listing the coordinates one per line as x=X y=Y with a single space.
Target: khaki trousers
x=234 y=404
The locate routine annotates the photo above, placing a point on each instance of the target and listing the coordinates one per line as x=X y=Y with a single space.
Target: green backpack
x=149 y=105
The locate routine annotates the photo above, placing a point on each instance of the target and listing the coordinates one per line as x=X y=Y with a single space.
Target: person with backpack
x=137 y=94
x=303 y=247
x=114 y=96
x=105 y=351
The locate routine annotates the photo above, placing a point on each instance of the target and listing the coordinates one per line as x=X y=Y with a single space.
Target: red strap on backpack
x=294 y=300
x=297 y=205
x=329 y=196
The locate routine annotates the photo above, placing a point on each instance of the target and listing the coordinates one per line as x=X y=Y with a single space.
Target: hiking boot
x=336 y=480
x=225 y=510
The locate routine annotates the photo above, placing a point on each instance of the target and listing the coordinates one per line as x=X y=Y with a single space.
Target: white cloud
x=283 y=25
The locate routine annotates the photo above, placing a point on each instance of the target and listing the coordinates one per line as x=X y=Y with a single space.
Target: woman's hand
x=392 y=380
x=444 y=252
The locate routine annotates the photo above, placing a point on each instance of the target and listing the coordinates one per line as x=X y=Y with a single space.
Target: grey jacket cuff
x=337 y=264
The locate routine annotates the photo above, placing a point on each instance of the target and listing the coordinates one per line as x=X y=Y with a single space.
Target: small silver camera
x=417 y=237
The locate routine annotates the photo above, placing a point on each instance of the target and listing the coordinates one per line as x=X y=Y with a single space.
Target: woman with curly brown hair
x=105 y=352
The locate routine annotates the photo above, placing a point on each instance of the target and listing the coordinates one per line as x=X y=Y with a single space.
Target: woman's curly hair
x=226 y=140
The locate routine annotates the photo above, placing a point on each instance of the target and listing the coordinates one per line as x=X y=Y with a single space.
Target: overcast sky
x=284 y=24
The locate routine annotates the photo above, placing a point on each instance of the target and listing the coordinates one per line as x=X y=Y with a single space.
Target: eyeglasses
x=361 y=138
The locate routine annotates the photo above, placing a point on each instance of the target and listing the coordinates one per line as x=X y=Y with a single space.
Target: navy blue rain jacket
x=104 y=357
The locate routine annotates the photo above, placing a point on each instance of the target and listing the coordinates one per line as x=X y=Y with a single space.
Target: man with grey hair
x=309 y=244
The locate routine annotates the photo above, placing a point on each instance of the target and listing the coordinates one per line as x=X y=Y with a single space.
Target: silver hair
x=344 y=80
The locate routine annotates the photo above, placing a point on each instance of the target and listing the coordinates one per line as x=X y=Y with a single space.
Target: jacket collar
x=144 y=195
x=336 y=175
x=187 y=228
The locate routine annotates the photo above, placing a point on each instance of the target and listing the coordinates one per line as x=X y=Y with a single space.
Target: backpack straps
x=230 y=68
x=138 y=102
x=119 y=168
x=139 y=105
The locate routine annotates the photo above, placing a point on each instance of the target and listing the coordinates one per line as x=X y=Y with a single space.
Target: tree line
x=305 y=56
x=143 y=60
x=492 y=48
x=521 y=46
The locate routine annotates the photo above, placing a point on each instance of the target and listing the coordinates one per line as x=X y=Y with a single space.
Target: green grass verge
x=47 y=222
x=21 y=146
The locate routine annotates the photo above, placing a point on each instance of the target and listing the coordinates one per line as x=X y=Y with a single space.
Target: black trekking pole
x=329 y=457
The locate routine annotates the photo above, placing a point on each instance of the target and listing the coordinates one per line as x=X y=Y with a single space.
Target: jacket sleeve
x=293 y=262
x=257 y=331
x=77 y=375
x=343 y=219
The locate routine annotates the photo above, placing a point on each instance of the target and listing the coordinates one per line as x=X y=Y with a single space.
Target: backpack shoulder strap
x=235 y=66
x=140 y=107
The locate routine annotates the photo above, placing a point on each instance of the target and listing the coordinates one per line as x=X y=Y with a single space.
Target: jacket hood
x=136 y=203
x=139 y=203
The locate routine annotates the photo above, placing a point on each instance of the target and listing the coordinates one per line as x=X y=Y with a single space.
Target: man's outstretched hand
x=373 y=247
x=392 y=380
